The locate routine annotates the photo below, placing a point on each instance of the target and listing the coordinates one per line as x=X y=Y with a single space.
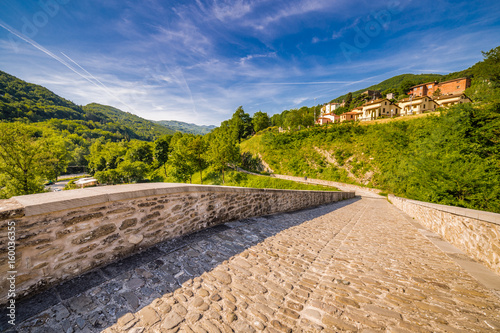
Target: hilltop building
x=451 y=87
x=372 y=94
x=329 y=108
x=379 y=107
x=350 y=116
x=426 y=97
x=449 y=100
x=416 y=105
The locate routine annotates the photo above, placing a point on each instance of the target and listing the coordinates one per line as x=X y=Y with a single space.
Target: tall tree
x=27 y=156
x=260 y=121
x=161 y=151
x=198 y=147
x=223 y=149
x=348 y=100
x=241 y=124
x=489 y=68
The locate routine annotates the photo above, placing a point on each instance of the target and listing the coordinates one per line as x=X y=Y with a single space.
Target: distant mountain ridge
x=186 y=127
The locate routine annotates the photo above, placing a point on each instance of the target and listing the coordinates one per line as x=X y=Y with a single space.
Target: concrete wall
x=475 y=232
x=60 y=235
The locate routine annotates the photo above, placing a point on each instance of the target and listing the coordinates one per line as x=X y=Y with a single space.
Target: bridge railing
x=475 y=232
x=51 y=237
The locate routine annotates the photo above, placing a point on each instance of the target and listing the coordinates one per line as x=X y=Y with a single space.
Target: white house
x=329 y=108
x=379 y=107
x=416 y=105
x=448 y=100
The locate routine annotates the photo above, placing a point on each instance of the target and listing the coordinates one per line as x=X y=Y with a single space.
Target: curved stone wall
x=61 y=235
x=475 y=232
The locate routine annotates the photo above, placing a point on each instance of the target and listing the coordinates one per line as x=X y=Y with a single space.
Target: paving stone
x=79 y=285
x=135 y=284
x=171 y=320
x=132 y=300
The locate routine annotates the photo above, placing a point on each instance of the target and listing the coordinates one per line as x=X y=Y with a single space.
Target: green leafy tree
x=161 y=151
x=198 y=147
x=405 y=86
x=241 y=124
x=132 y=171
x=223 y=149
x=28 y=155
x=489 y=68
x=260 y=121
x=140 y=151
x=180 y=161
x=348 y=100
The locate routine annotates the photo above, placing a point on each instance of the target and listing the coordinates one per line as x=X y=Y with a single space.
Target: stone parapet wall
x=475 y=232
x=341 y=186
x=61 y=235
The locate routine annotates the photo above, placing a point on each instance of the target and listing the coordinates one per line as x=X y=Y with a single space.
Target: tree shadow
x=97 y=299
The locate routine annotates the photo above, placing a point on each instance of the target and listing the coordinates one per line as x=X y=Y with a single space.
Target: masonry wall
x=341 y=186
x=61 y=235
x=475 y=232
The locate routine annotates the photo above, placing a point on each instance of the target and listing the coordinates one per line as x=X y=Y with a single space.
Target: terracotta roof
x=414 y=99
x=351 y=112
x=451 y=96
x=462 y=78
x=424 y=84
x=376 y=101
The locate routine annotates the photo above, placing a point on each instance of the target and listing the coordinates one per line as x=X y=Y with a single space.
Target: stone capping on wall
x=61 y=235
x=471 y=213
x=477 y=233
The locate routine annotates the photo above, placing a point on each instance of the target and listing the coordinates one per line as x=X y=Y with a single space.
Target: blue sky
x=198 y=60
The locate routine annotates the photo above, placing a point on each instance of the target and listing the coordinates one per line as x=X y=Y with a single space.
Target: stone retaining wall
x=475 y=232
x=341 y=186
x=60 y=235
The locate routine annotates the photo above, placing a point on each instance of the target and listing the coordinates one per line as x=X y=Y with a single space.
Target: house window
x=424 y=106
x=385 y=103
x=383 y=110
x=458 y=87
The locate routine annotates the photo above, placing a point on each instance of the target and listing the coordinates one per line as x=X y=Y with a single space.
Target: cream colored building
x=448 y=100
x=329 y=108
x=379 y=107
x=350 y=116
x=328 y=118
x=417 y=105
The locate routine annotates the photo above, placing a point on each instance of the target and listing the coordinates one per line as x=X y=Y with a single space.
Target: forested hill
x=23 y=100
x=186 y=127
x=31 y=103
x=145 y=128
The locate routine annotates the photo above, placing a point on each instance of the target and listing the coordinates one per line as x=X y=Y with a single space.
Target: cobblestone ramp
x=357 y=265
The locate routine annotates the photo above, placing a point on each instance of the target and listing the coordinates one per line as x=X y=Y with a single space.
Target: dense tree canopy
x=28 y=156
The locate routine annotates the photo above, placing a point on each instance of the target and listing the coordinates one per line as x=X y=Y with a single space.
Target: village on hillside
x=425 y=97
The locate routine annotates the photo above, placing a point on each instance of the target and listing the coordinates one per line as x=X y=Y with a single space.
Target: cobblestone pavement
x=357 y=265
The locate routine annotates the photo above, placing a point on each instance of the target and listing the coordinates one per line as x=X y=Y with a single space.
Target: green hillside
x=142 y=128
x=31 y=103
x=450 y=157
x=186 y=127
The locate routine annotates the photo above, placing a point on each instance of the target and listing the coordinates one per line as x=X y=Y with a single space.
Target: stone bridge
x=165 y=258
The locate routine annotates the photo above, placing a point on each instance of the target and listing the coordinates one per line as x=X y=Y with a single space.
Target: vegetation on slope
x=450 y=159
x=141 y=128
x=186 y=127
